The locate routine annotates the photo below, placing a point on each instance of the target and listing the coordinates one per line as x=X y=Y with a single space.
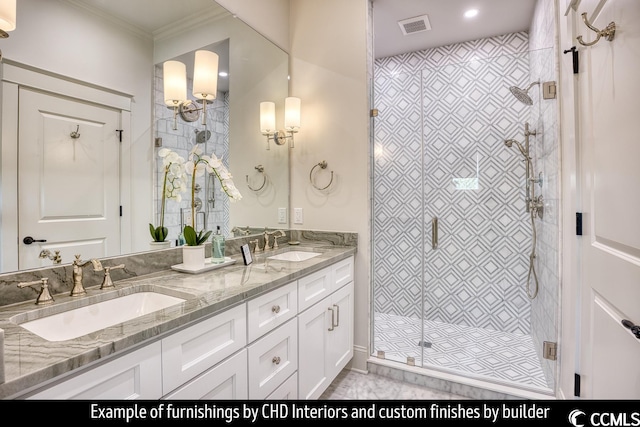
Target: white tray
x=208 y=265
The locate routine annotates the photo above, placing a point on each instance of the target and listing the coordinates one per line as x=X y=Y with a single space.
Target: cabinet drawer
x=271 y=310
x=288 y=390
x=225 y=381
x=272 y=359
x=190 y=352
x=342 y=273
x=135 y=375
x=314 y=287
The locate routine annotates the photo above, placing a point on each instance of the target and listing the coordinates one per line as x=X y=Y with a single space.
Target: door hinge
x=576 y=385
x=120 y=210
x=120 y=133
x=550 y=350
x=578 y=223
x=374 y=112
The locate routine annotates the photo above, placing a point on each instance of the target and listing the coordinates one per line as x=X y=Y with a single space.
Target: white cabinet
x=325 y=331
x=268 y=311
x=135 y=375
x=197 y=348
x=225 y=381
x=288 y=343
x=272 y=359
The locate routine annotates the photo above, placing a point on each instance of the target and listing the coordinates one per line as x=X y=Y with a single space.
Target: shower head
x=522 y=95
x=509 y=143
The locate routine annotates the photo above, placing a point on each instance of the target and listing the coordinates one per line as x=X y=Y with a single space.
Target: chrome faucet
x=78 y=288
x=44 y=297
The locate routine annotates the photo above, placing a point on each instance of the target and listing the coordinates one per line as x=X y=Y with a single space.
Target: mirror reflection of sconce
x=7 y=18
x=321 y=165
x=291 y=121
x=260 y=170
x=205 y=86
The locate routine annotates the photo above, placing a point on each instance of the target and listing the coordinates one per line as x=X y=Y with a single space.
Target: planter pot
x=159 y=245
x=193 y=257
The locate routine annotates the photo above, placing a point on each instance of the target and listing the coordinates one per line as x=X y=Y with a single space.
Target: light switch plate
x=282 y=215
x=297 y=216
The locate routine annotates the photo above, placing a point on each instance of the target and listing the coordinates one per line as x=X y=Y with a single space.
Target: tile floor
x=493 y=354
x=351 y=385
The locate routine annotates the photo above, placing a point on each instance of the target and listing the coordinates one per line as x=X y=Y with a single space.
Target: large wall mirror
x=119 y=47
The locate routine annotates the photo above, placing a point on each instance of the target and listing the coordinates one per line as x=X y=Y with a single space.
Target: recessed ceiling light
x=471 y=13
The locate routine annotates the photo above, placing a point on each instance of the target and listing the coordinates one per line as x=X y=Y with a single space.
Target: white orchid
x=198 y=163
x=174 y=183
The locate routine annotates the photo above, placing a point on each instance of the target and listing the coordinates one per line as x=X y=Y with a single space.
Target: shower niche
x=446 y=181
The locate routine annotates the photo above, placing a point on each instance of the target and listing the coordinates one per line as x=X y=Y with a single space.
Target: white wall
x=329 y=72
x=329 y=69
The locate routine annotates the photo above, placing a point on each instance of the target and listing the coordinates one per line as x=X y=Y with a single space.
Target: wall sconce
x=205 y=86
x=291 y=121
x=7 y=18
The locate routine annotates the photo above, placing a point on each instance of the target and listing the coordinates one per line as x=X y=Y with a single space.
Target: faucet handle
x=278 y=234
x=256 y=247
x=106 y=281
x=44 y=297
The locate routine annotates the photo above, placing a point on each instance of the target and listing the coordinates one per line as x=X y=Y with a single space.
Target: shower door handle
x=434 y=232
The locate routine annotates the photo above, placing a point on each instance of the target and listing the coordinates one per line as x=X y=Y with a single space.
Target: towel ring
x=323 y=165
x=260 y=169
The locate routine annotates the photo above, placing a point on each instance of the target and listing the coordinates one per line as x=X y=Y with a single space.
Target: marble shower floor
x=486 y=353
x=352 y=385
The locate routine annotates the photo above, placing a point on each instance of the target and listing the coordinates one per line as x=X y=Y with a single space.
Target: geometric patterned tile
x=460 y=349
x=442 y=117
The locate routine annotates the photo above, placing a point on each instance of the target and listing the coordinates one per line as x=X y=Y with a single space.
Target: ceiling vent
x=414 y=25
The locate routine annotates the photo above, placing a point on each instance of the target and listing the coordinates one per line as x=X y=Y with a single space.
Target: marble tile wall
x=438 y=145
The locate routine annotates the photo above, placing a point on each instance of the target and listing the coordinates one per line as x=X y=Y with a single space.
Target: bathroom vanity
x=275 y=329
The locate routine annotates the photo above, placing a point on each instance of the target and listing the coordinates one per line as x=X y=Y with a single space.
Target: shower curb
x=461 y=386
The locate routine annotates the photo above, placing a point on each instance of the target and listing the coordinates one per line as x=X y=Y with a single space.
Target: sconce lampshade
x=205 y=75
x=175 y=82
x=292 y=114
x=8 y=15
x=267 y=117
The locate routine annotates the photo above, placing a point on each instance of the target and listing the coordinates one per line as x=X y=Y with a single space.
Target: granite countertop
x=31 y=361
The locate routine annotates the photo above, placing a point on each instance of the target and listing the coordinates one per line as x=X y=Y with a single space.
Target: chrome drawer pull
x=332 y=313
x=337 y=314
x=276 y=360
x=275 y=309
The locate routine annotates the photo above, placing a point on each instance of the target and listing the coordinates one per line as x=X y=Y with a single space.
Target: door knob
x=29 y=240
x=635 y=329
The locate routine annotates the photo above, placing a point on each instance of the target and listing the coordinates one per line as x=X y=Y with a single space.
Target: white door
x=609 y=145
x=69 y=191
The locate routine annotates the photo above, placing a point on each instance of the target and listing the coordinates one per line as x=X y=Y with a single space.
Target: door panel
x=609 y=90
x=68 y=178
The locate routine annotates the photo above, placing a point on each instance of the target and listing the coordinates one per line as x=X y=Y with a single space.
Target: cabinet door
x=188 y=353
x=271 y=310
x=272 y=359
x=341 y=337
x=225 y=381
x=136 y=375
x=313 y=330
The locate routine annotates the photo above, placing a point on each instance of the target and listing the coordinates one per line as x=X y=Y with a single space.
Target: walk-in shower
x=453 y=249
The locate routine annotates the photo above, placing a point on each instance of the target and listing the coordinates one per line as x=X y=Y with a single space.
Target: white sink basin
x=294 y=256
x=84 y=320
